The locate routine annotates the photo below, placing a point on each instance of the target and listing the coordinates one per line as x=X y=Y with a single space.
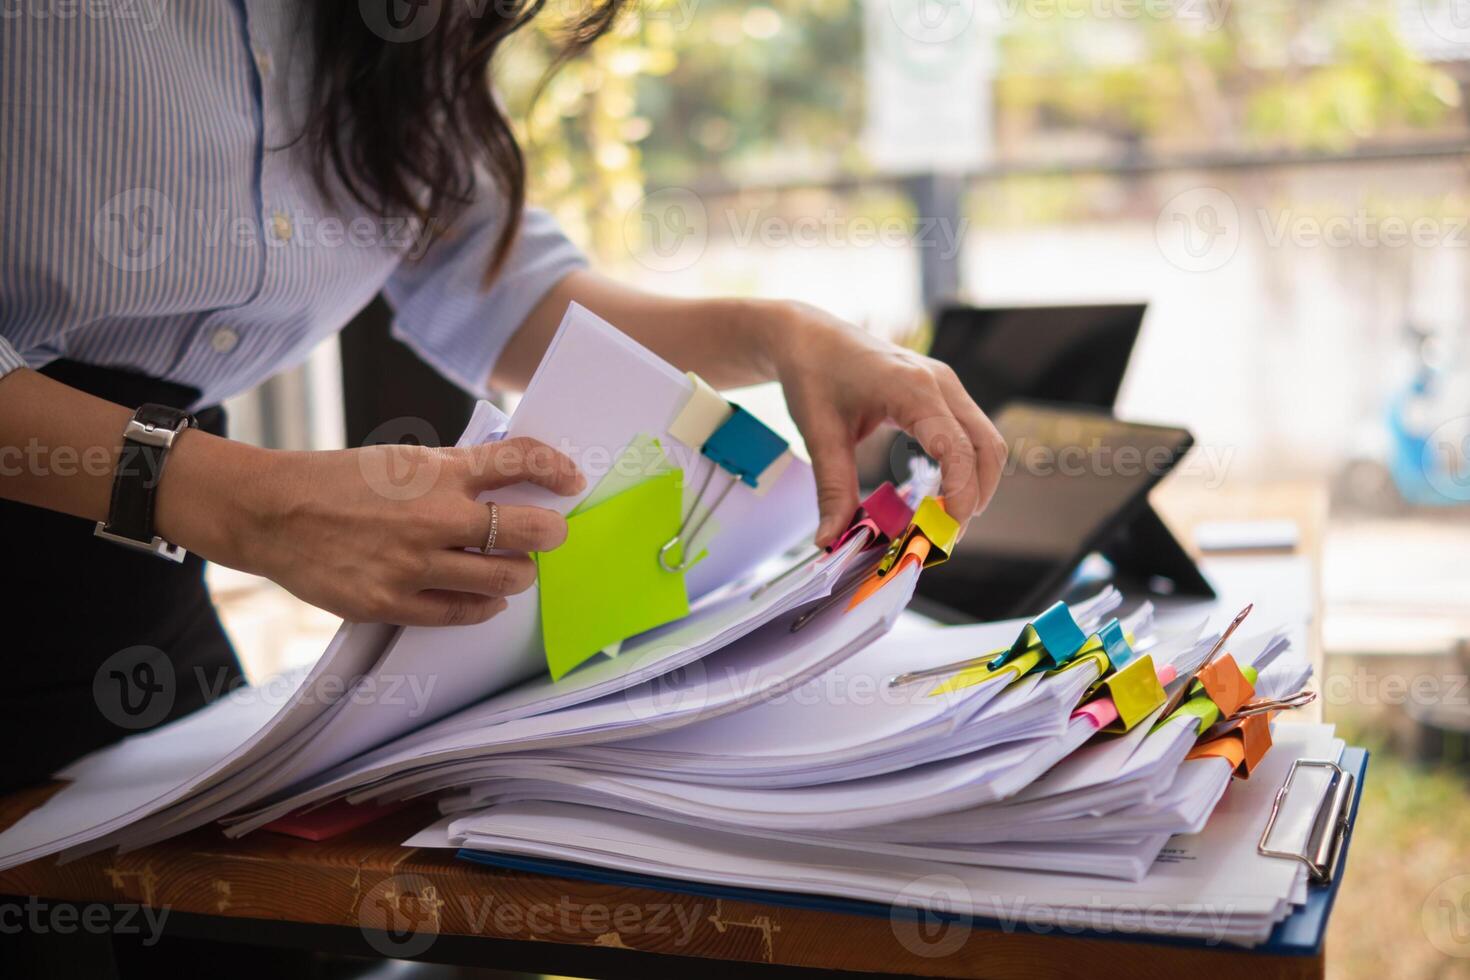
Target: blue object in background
x=1429 y=456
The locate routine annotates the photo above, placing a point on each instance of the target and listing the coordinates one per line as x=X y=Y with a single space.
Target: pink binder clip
x=882 y=516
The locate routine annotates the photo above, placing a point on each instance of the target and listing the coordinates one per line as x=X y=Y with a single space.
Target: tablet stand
x=1144 y=550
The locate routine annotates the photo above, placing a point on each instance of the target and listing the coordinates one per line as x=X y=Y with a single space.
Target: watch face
x=163 y=416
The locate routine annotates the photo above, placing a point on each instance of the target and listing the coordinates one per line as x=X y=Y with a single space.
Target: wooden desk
x=363 y=894
x=342 y=894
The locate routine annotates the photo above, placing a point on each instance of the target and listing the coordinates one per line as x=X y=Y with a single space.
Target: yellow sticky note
x=605 y=584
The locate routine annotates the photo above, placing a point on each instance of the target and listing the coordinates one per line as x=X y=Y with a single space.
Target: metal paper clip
x=743 y=447
x=1259 y=706
x=1262 y=705
x=673 y=542
x=797 y=566
x=1186 y=681
x=944 y=670
x=833 y=599
x=998 y=658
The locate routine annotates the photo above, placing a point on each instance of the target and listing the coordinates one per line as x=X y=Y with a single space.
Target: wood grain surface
x=409 y=899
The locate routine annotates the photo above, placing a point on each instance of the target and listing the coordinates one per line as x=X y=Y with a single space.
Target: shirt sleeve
x=441 y=308
x=10 y=358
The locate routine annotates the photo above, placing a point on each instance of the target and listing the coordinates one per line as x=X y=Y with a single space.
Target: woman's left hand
x=841 y=384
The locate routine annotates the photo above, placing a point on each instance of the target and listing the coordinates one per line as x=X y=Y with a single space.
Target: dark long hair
x=401 y=111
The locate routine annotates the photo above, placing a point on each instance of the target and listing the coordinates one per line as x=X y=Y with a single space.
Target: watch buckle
x=158 y=546
x=151 y=435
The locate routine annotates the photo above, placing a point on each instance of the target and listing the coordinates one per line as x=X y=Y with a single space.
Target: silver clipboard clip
x=1329 y=825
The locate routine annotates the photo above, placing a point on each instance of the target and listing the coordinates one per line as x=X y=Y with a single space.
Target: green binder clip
x=1201 y=707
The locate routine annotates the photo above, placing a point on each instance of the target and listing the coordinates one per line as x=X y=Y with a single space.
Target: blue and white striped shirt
x=157 y=216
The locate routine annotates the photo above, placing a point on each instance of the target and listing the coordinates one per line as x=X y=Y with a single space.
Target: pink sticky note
x=1099 y=713
x=1102 y=712
x=864 y=526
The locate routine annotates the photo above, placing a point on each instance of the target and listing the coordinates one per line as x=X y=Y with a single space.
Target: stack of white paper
x=772 y=738
x=1213 y=885
x=596 y=389
x=972 y=806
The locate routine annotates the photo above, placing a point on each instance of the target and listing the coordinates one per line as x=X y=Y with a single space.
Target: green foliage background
x=687 y=92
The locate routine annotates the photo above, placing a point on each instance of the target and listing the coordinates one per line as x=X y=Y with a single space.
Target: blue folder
x=1300 y=934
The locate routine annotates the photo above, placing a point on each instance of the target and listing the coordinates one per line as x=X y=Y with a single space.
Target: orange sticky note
x=915 y=551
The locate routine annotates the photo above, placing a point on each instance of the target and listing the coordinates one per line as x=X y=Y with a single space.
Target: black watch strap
x=146 y=442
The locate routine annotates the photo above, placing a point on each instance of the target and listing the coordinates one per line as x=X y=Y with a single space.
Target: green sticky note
x=605 y=584
x=639 y=460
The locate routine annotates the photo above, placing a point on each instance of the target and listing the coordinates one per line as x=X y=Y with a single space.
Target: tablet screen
x=1073 y=476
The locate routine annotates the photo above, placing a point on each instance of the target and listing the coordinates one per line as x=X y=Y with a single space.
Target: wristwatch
x=146 y=441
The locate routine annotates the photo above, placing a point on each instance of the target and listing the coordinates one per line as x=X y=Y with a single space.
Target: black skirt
x=102 y=641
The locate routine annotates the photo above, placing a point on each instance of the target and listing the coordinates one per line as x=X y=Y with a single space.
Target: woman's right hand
x=377 y=534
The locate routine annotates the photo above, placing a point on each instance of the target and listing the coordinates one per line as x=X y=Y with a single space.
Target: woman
x=195 y=194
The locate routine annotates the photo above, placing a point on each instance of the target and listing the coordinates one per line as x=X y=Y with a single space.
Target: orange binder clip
x=1185 y=684
x=1243 y=746
x=1225 y=684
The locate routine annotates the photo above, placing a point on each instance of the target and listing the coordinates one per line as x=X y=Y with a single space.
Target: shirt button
x=224 y=340
x=281 y=226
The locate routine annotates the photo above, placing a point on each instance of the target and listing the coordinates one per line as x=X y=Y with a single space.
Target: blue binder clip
x=743 y=447
x=1115 y=644
x=1055 y=632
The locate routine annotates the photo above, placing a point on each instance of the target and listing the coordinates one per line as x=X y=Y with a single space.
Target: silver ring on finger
x=489 y=544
